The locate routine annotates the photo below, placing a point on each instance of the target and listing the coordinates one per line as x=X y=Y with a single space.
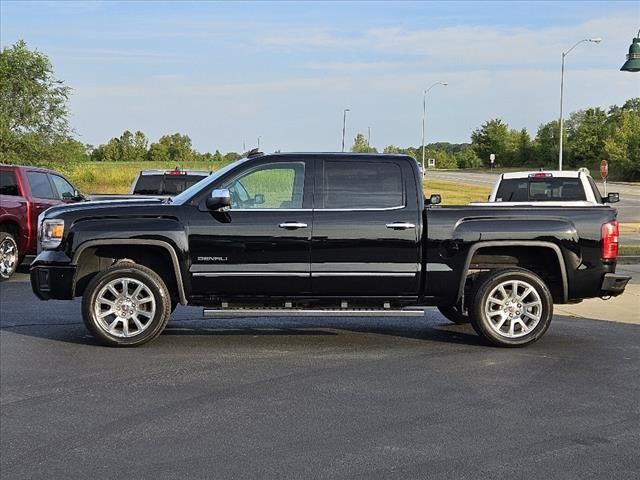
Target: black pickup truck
x=323 y=234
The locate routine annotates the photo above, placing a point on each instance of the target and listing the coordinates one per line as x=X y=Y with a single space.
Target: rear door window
x=8 y=183
x=360 y=184
x=40 y=185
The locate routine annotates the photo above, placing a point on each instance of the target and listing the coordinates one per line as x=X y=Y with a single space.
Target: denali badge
x=213 y=259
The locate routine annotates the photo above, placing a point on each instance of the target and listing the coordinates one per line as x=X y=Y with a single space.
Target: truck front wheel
x=512 y=307
x=126 y=305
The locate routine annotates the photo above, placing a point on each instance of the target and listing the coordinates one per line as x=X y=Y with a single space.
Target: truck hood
x=124 y=207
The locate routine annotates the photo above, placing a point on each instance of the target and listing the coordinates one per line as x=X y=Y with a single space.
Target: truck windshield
x=540 y=190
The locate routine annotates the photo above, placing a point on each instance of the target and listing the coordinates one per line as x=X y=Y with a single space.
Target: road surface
x=339 y=398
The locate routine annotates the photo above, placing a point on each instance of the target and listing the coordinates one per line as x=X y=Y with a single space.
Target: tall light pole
x=368 y=138
x=344 y=125
x=564 y=54
x=259 y=136
x=424 y=116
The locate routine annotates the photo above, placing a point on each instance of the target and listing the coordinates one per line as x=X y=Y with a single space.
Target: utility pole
x=344 y=125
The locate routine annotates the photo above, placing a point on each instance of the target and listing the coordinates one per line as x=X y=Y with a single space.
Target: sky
x=226 y=73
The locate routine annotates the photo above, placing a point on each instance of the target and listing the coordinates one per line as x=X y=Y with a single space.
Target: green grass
x=456 y=193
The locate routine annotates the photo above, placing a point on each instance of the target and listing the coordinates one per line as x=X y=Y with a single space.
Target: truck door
x=366 y=229
x=261 y=246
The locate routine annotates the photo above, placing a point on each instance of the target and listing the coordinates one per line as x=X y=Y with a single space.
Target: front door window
x=271 y=186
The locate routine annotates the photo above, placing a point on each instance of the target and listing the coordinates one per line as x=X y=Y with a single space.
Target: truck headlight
x=51 y=233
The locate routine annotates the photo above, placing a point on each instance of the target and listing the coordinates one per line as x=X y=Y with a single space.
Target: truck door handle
x=293 y=225
x=400 y=225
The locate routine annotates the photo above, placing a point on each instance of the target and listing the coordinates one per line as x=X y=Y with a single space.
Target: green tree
x=172 y=148
x=623 y=147
x=392 y=149
x=546 y=144
x=524 y=154
x=492 y=137
x=587 y=131
x=360 y=145
x=34 y=126
x=467 y=158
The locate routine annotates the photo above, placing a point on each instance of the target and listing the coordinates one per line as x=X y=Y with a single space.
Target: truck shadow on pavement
x=326 y=332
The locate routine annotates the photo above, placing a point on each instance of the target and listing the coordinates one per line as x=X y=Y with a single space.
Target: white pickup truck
x=550 y=188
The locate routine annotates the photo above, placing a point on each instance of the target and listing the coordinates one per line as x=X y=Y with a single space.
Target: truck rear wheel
x=453 y=314
x=9 y=255
x=511 y=307
x=126 y=305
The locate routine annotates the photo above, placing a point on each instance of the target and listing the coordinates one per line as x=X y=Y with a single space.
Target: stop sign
x=604 y=169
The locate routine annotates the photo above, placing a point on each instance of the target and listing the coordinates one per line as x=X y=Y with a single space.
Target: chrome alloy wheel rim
x=8 y=256
x=514 y=308
x=124 y=307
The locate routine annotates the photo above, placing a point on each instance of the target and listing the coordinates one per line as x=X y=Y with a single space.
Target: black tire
x=512 y=324
x=453 y=314
x=147 y=325
x=9 y=255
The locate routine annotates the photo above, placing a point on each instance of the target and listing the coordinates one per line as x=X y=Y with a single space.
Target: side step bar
x=289 y=312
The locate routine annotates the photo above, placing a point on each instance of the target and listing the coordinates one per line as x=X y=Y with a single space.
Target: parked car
x=157 y=184
x=549 y=188
x=329 y=234
x=25 y=192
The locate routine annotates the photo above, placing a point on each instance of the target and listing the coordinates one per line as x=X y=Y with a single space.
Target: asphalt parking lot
x=313 y=398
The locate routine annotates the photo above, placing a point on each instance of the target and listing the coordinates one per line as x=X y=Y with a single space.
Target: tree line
x=34 y=129
x=590 y=135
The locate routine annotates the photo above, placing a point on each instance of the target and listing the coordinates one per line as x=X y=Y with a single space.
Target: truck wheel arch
x=549 y=246
x=165 y=246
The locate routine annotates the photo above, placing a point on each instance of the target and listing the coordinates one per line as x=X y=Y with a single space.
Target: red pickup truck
x=25 y=192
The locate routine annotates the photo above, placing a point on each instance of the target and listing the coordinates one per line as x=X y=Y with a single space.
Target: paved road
x=318 y=398
x=628 y=208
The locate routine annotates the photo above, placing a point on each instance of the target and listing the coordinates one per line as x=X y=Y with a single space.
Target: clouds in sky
x=225 y=73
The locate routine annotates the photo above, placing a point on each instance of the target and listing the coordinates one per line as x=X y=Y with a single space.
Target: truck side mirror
x=77 y=196
x=258 y=199
x=220 y=198
x=435 y=199
x=612 y=198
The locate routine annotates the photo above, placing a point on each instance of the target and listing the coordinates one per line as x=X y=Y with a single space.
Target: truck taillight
x=610 y=240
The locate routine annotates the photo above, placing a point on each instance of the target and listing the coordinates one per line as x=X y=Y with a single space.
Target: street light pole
x=564 y=54
x=258 y=142
x=368 y=138
x=424 y=116
x=344 y=125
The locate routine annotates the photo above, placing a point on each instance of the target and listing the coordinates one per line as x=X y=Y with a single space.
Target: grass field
x=456 y=193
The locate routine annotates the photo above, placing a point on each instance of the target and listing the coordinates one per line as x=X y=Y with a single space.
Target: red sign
x=604 y=169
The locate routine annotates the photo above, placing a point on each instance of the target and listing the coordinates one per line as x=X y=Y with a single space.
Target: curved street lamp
x=633 y=57
x=424 y=116
x=564 y=54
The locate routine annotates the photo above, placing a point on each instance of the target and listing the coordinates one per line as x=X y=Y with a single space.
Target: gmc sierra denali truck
x=323 y=234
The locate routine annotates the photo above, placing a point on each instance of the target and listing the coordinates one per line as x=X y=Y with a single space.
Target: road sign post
x=604 y=173
x=492 y=158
